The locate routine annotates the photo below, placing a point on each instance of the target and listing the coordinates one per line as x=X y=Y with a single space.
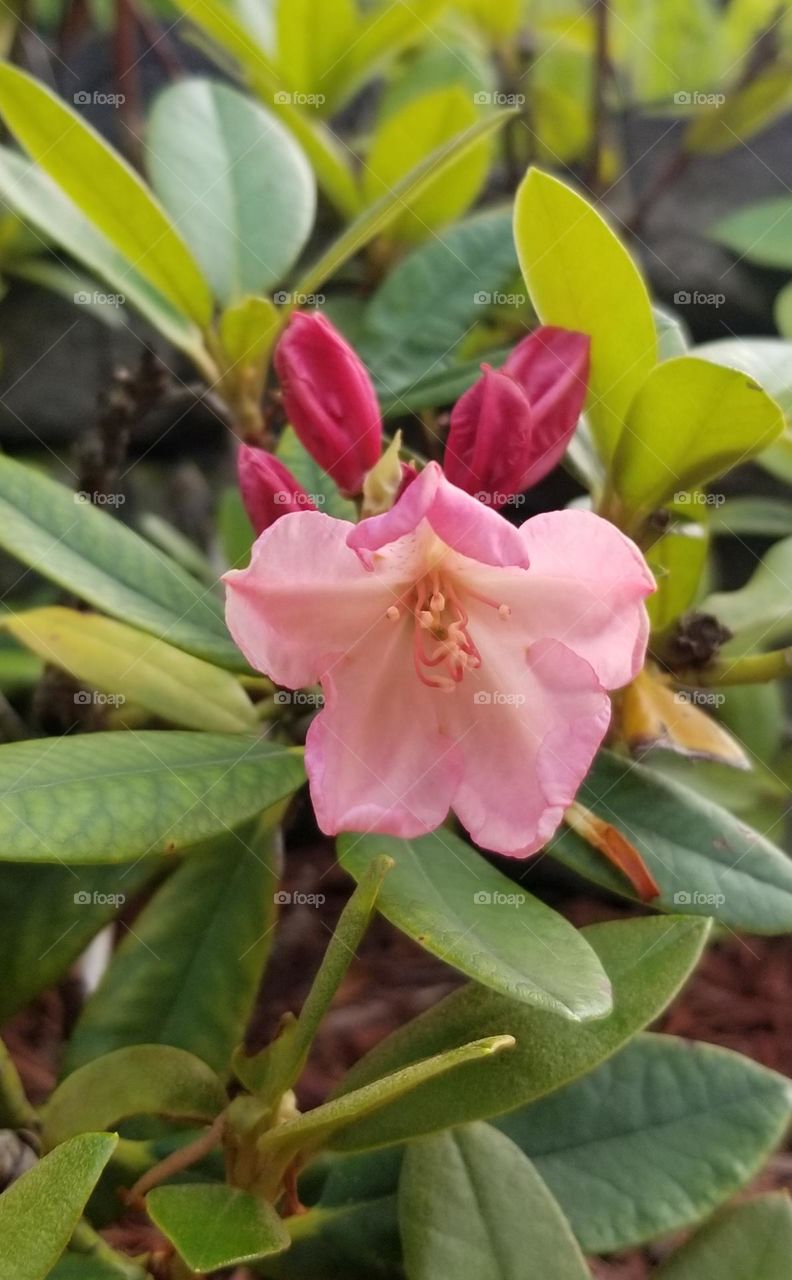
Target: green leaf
x=76 y=1266
x=441 y=387
x=473 y=1207
x=312 y=38
x=646 y=961
x=50 y=914
x=750 y=106
x=389 y=27
x=752 y=1241
x=15 y=1110
x=402 y=140
x=704 y=860
x=86 y=551
x=141 y=1080
x=761 y=232
x=753 y=517
x=314 y=480
x=453 y=277
x=40 y=1210
x=767 y=360
x=579 y=276
x=721 y=417
x=41 y=202
x=278 y=1147
x=105 y=189
x=110 y=797
x=234 y=181
x=187 y=975
x=446 y=896
x=379 y=216
x=216 y=1226
x=678 y=560
x=129 y=665
x=652 y=1141
x=760 y=613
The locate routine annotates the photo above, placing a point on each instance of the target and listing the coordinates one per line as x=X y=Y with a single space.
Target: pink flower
x=268 y=488
x=464 y=662
x=329 y=399
x=513 y=425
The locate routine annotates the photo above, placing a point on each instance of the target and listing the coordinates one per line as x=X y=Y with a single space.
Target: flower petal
x=537 y=718
x=375 y=756
x=304 y=599
x=458 y=520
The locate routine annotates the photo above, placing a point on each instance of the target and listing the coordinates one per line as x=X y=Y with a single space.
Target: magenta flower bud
x=513 y=425
x=329 y=399
x=268 y=488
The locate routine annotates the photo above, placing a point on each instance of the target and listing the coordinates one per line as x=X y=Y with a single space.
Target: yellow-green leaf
x=129 y=665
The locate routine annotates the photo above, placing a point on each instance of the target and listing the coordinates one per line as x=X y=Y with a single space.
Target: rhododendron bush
x=456 y=632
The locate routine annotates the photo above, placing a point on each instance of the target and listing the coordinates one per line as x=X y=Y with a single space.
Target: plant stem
x=753 y=668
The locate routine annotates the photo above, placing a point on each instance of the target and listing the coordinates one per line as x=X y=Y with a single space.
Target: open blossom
x=513 y=425
x=464 y=662
x=329 y=399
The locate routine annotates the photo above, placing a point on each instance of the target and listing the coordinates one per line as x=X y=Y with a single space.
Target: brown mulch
x=739 y=997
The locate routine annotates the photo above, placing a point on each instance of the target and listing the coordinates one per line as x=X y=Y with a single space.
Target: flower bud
x=268 y=488
x=329 y=399
x=513 y=425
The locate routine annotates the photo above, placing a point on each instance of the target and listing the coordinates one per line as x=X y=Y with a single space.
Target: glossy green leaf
x=721 y=418
x=50 y=914
x=129 y=665
x=188 y=973
x=646 y=961
x=752 y=1241
x=677 y=560
x=241 y=44
x=15 y=1110
x=105 y=189
x=403 y=139
x=753 y=517
x=446 y=896
x=761 y=232
x=767 y=360
x=86 y=551
x=579 y=276
x=406 y=192
x=215 y=1226
x=704 y=860
x=388 y=27
x=40 y=1210
x=41 y=202
x=653 y=1140
x=140 y=1080
x=78 y=1266
x=441 y=387
x=109 y=797
x=313 y=37
x=473 y=1207
x=750 y=106
x=760 y=613
x=234 y=181
x=315 y=481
